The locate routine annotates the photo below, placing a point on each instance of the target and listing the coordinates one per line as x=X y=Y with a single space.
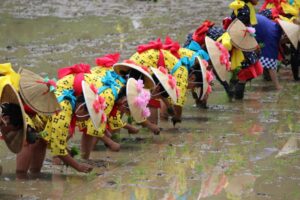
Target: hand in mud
x=85 y=168
x=176 y=120
x=133 y=130
x=154 y=128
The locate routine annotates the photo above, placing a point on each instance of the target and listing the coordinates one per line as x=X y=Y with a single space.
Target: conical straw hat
x=164 y=80
x=148 y=81
x=204 y=80
x=36 y=94
x=292 y=31
x=132 y=94
x=215 y=54
x=90 y=97
x=240 y=37
x=14 y=139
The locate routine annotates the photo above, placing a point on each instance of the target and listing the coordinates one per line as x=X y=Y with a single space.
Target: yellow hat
x=14 y=139
x=36 y=94
x=241 y=37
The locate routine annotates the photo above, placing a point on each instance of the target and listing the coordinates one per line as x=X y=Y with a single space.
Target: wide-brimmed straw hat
x=241 y=37
x=292 y=31
x=90 y=98
x=14 y=139
x=215 y=53
x=167 y=81
x=124 y=67
x=134 y=93
x=204 y=79
x=36 y=94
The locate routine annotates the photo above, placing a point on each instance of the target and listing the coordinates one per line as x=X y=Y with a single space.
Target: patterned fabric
x=268 y=63
x=243 y=15
x=215 y=32
x=149 y=59
x=116 y=122
x=57 y=127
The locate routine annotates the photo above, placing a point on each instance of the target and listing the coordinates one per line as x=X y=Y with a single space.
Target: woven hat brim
x=214 y=54
x=36 y=95
x=90 y=97
x=163 y=79
x=132 y=93
x=14 y=139
x=240 y=38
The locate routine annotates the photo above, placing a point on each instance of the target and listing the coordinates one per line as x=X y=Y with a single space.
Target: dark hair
x=80 y=99
x=134 y=74
x=198 y=75
x=13 y=111
x=122 y=93
x=164 y=93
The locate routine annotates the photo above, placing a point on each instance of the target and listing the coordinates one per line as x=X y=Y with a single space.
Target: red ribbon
x=108 y=60
x=75 y=69
x=200 y=33
x=154 y=45
x=78 y=70
x=277 y=10
x=48 y=84
x=172 y=46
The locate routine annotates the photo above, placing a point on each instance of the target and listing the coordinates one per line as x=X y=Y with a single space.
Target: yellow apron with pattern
x=114 y=122
x=57 y=127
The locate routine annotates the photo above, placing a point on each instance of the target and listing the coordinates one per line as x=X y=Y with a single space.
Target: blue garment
x=268 y=33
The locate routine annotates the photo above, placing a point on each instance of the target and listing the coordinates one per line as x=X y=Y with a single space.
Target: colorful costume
x=268 y=33
x=60 y=125
x=105 y=64
x=153 y=55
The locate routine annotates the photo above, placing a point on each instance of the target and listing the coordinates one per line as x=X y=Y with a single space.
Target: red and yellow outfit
x=58 y=125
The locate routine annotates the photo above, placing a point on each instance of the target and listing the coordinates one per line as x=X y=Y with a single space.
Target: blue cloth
x=68 y=95
x=268 y=33
x=109 y=82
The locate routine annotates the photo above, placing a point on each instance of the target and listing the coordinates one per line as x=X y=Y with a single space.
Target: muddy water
x=233 y=150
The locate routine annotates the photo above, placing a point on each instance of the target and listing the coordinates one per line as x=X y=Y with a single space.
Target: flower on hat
x=225 y=56
x=142 y=99
x=171 y=81
x=163 y=70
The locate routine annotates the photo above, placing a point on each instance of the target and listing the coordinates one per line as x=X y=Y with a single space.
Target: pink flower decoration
x=205 y=63
x=163 y=70
x=146 y=112
x=209 y=76
x=93 y=88
x=209 y=90
x=99 y=104
x=172 y=81
x=225 y=56
x=139 y=85
x=103 y=118
x=251 y=30
x=143 y=98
